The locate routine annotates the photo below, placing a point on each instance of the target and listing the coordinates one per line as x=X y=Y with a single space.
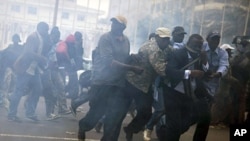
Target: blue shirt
x=176 y=45
x=218 y=62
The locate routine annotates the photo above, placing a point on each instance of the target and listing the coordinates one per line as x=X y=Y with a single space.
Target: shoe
x=147 y=134
x=52 y=117
x=81 y=136
x=14 y=118
x=98 y=127
x=32 y=118
x=73 y=111
x=64 y=112
x=129 y=134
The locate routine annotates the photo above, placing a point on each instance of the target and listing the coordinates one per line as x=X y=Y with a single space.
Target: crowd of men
x=38 y=68
x=186 y=83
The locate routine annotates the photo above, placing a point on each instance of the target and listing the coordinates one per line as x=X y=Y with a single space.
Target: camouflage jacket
x=153 y=61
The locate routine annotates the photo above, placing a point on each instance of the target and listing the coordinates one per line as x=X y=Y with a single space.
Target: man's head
x=162 y=37
x=178 y=34
x=151 y=36
x=242 y=43
x=16 y=38
x=213 y=39
x=55 y=34
x=194 y=44
x=119 y=23
x=78 y=36
x=42 y=28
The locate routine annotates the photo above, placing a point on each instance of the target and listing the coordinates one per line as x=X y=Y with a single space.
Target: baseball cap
x=163 y=32
x=212 y=34
x=179 y=30
x=120 y=19
x=226 y=46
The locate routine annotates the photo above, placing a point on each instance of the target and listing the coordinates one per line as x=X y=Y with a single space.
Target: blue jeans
x=159 y=109
x=26 y=83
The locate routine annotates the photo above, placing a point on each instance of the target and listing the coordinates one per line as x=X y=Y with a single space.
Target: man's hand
x=215 y=75
x=137 y=70
x=135 y=57
x=196 y=73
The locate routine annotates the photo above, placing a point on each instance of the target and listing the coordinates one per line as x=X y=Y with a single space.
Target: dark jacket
x=30 y=54
x=177 y=60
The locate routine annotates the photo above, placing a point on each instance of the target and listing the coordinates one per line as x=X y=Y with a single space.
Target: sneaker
x=64 y=112
x=73 y=111
x=147 y=134
x=32 y=118
x=81 y=136
x=52 y=117
x=14 y=118
x=129 y=134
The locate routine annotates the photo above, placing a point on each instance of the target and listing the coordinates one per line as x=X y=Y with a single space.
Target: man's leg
x=117 y=108
x=174 y=116
x=203 y=123
x=158 y=105
x=83 y=98
x=21 y=87
x=33 y=97
x=58 y=80
x=97 y=109
x=143 y=103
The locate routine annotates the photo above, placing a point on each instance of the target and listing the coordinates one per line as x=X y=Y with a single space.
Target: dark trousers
x=143 y=102
x=73 y=85
x=110 y=101
x=202 y=127
x=182 y=112
x=83 y=98
x=26 y=83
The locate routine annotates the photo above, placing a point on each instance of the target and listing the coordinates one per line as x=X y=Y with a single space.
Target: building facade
x=22 y=16
x=230 y=17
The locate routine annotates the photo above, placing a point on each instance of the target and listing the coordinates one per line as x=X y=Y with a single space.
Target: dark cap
x=178 y=30
x=212 y=34
x=16 y=38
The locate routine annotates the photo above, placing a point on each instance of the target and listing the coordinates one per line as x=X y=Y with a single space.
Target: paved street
x=65 y=128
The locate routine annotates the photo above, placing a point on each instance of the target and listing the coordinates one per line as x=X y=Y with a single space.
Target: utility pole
x=55 y=13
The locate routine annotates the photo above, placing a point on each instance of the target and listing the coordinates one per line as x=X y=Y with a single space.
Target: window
x=80 y=17
x=15 y=8
x=32 y=10
x=65 y=15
